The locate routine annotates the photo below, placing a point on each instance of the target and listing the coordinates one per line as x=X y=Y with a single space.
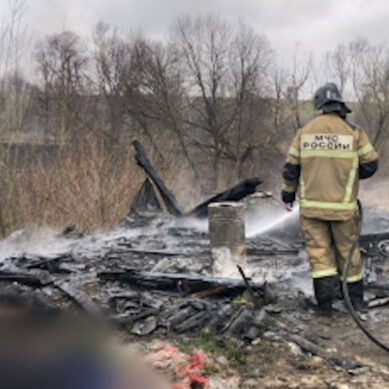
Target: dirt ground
x=272 y=360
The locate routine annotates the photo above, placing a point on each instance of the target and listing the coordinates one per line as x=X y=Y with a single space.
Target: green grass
x=215 y=346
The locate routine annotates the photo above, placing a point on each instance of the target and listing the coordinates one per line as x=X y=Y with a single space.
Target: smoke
x=42 y=242
x=194 y=223
x=47 y=242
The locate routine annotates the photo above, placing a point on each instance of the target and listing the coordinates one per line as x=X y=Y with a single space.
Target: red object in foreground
x=191 y=373
x=188 y=369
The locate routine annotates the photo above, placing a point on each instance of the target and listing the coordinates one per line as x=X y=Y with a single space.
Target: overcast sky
x=316 y=25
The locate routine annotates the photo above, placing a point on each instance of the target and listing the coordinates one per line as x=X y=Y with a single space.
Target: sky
x=313 y=25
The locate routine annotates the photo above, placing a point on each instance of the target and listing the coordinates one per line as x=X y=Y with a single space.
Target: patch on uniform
x=326 y=142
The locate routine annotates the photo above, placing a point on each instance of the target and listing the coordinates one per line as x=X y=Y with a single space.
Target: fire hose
x=346 y=294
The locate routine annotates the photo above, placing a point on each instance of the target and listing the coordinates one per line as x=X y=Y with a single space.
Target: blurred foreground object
x=41 y=349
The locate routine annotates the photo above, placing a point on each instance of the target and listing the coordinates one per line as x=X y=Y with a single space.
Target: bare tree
x=162 y=96
x=112 y=56
x=14 y=100
x=281 y=123
x=14 y=105
x=288 y=98
x=225 y=71
x=298 y=78
x=339 y=66
x=61 y=61
x=370 y=79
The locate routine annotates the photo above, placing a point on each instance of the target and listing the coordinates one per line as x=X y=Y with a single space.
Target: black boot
x=355 y=291
x=326 y=291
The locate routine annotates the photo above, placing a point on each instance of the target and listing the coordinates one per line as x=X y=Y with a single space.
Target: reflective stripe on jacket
x=323 y=163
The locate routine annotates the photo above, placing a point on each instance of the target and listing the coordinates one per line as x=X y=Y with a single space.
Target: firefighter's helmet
x=328 y=93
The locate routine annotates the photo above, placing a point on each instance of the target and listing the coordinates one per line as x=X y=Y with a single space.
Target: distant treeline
x=211 y=104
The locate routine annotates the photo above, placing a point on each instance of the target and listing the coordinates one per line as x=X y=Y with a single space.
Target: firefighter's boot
x=355 y=290
x=326 y=292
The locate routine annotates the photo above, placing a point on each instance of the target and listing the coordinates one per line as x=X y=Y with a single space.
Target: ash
x=156 y=272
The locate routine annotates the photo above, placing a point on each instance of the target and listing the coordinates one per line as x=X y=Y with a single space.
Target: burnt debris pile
x=156 y=270
x=149 y=273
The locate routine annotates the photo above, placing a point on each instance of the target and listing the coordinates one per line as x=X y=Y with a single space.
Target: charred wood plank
x=249 y=289
x=373 y=237
x=178 y=317
x=264 y=252
x=131 y=317
x=240 y=324
x=49 y=264
x=384 y=287
x=210 y=292
x=236 y=193
x=195 y=322
x=32 y=277
x=170 y=201
x=171 y=282
x=157 y=252
x=80 y=297
x=21 y=279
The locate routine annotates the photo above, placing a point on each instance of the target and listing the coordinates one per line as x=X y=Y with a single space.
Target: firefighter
x=326 y=159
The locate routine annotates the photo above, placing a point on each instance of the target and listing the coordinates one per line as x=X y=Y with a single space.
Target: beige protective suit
x=325 y=161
